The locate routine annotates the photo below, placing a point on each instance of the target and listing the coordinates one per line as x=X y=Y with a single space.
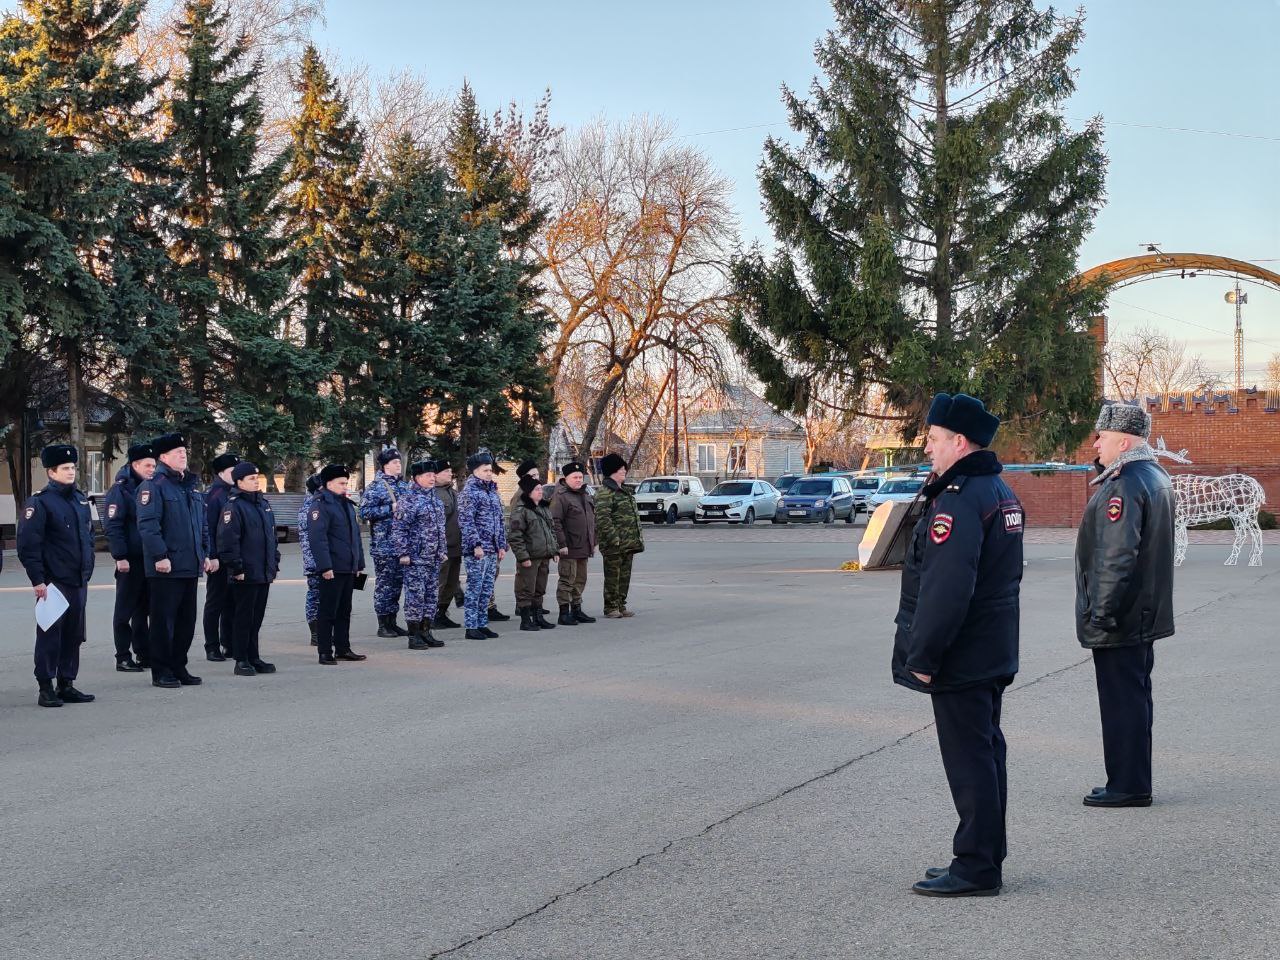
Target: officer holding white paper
x=55 y=547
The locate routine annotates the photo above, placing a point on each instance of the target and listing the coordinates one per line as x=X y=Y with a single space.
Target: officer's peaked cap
x=966 y=415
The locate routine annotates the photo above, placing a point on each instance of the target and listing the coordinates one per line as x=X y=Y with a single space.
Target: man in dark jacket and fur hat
x=957 y=636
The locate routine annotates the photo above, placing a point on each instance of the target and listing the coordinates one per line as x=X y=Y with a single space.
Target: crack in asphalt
x=758 y=804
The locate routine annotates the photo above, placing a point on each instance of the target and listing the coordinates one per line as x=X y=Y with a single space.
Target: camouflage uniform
x=482 y=522
x=377 y=508
x=620 y=539
x=417 y=532
x=312 y=604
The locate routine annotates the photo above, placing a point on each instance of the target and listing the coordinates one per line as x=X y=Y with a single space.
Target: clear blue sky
x=711 y=66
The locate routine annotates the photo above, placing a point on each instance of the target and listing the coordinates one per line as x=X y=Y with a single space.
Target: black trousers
x=450 y=577
x=129 y=622
x=1124 y=700
x=173 y=622
x=250 y=603
x=219 y=610
x=333 y=626
x=58 y=648
x=973 y=755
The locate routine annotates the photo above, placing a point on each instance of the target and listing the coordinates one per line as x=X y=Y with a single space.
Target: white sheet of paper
x=51 y=608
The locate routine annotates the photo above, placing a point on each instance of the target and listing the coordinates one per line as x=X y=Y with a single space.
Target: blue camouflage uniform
x=418 y=533
x=378 y=508
x=483 y=525
x=311 y=606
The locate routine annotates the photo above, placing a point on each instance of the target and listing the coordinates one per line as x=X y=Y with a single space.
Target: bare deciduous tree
x=1147 y=361
x=1273 y=372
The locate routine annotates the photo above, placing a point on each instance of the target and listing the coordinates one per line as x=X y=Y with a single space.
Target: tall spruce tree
x=336 y=314
x=928 y=227
x=231 y=275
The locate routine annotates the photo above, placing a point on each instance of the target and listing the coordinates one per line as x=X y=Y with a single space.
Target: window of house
x=737 y=462
x=786 y=459
x=706 y=458
x=95 y=472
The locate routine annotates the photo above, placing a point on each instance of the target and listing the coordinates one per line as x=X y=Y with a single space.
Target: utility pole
x=1239 y=298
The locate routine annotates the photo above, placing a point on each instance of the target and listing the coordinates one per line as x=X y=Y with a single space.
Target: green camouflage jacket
x=617 y=523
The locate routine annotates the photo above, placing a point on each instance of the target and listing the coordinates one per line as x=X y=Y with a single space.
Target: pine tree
x=929 y=226
x=231 y=278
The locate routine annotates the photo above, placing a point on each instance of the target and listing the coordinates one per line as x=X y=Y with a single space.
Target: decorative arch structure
x=1129 y=270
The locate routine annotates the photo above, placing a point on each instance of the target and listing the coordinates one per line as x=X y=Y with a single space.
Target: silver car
x=738 y=501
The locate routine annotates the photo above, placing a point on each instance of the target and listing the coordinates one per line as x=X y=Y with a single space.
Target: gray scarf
x=1142 y=451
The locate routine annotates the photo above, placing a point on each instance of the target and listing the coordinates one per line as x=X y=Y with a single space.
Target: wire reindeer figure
x=1235 y=497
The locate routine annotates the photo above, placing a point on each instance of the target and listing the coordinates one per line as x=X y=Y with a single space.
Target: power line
x=1191 y=323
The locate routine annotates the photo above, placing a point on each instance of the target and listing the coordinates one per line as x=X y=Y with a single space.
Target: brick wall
x=1051 y=499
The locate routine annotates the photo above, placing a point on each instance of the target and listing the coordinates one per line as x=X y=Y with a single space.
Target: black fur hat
x=965 y=415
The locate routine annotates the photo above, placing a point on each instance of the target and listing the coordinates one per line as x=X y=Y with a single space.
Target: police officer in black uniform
x=219 y=600
x=175 y=550
x=129 y=621
x=55 y=547
x=957 y=637
x=249 y=555
x=334 y=533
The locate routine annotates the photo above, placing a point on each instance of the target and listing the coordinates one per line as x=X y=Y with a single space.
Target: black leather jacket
x=1124 y=559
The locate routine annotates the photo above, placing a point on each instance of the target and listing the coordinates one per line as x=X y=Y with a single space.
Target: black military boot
x=442 y=622
x=214 y=655
x=526 y=618
x=245 y=669
x=542 y=622
x=69 y=694
x=416 y=640
x=127 y=665
x=261 y=666
x=312 y=625
x=497 y=615
x=567 y=619
x=581 y=617
x=477 y=635
x=428 y=636
x=387 y=628
x=47 y=697
x=543 y=610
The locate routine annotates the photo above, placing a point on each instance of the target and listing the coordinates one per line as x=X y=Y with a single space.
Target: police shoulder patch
x=1115 y=508
x=315 y=514
x=111 y=510
x=1013 y=518
x=31 y=512
x=144 y=497
x=940 y=529
x=226 y=516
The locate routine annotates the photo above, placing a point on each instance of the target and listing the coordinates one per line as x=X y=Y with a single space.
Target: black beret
x=528 y=484
x=167 y=442
x=525 y=467
x=224 y=461
x=387 y=455
x=479 y=459
x=332 y=472
x=141 y=451
x=965 y=415
x=57 y=454
x=611 y=464
x=572 y=467
x=244 y=469
x=421 y=467
x=314 y=483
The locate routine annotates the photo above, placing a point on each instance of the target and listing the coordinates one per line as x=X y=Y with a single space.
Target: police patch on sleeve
x=1115 y=508
x=315 y=514
x=111 y=511
x=940 y=529
x=226 y=516
x=144 y=497
x=31 y=512
x=1013 y=519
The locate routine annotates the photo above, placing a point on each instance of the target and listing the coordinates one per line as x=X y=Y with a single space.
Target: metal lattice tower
x=1239 y=298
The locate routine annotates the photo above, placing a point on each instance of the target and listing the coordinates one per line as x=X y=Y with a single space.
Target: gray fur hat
x=1124 y=418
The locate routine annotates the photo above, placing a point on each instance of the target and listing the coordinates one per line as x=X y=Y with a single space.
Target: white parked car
x=667 y=499
x=895 y=488
x=738 y=501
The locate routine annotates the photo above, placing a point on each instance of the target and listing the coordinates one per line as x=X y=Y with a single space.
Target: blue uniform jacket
x=418 y=529
x=215 y=501
x=304 y=538
x=480 y=516
x=55 y=536
x=334 y=533
x=121 y=520
x=247 y=538
x=171 y=521
x=378 y=508
x=958 y=615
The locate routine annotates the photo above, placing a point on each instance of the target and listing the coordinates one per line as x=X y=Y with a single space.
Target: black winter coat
x=55 y=536
x=121 y=521
x=334 y=534
x=171 y=521
x=958 y=616
x=448 y=495
x=247 y=538
x=215 y=501
x=1124 y=559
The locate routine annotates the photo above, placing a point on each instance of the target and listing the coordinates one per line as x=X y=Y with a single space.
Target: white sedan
x=738 y=501
x=898 y=488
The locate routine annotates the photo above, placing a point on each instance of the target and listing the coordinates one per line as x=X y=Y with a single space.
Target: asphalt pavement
x=729 y=774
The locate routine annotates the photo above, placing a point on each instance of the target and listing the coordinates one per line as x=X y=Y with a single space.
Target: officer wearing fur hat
x=451 y=572
x=418 y=536
x=175 y=550
x=55 y=548
x=338 y=550
x=129 y=621
x=219 y=600
x=618 y=533
x=378 y=509
x=484 y=541
x=574 y=514
x=311 y=605
x=1124 y=595
x=249 y=554
x=957 y=636
x=532 y=535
